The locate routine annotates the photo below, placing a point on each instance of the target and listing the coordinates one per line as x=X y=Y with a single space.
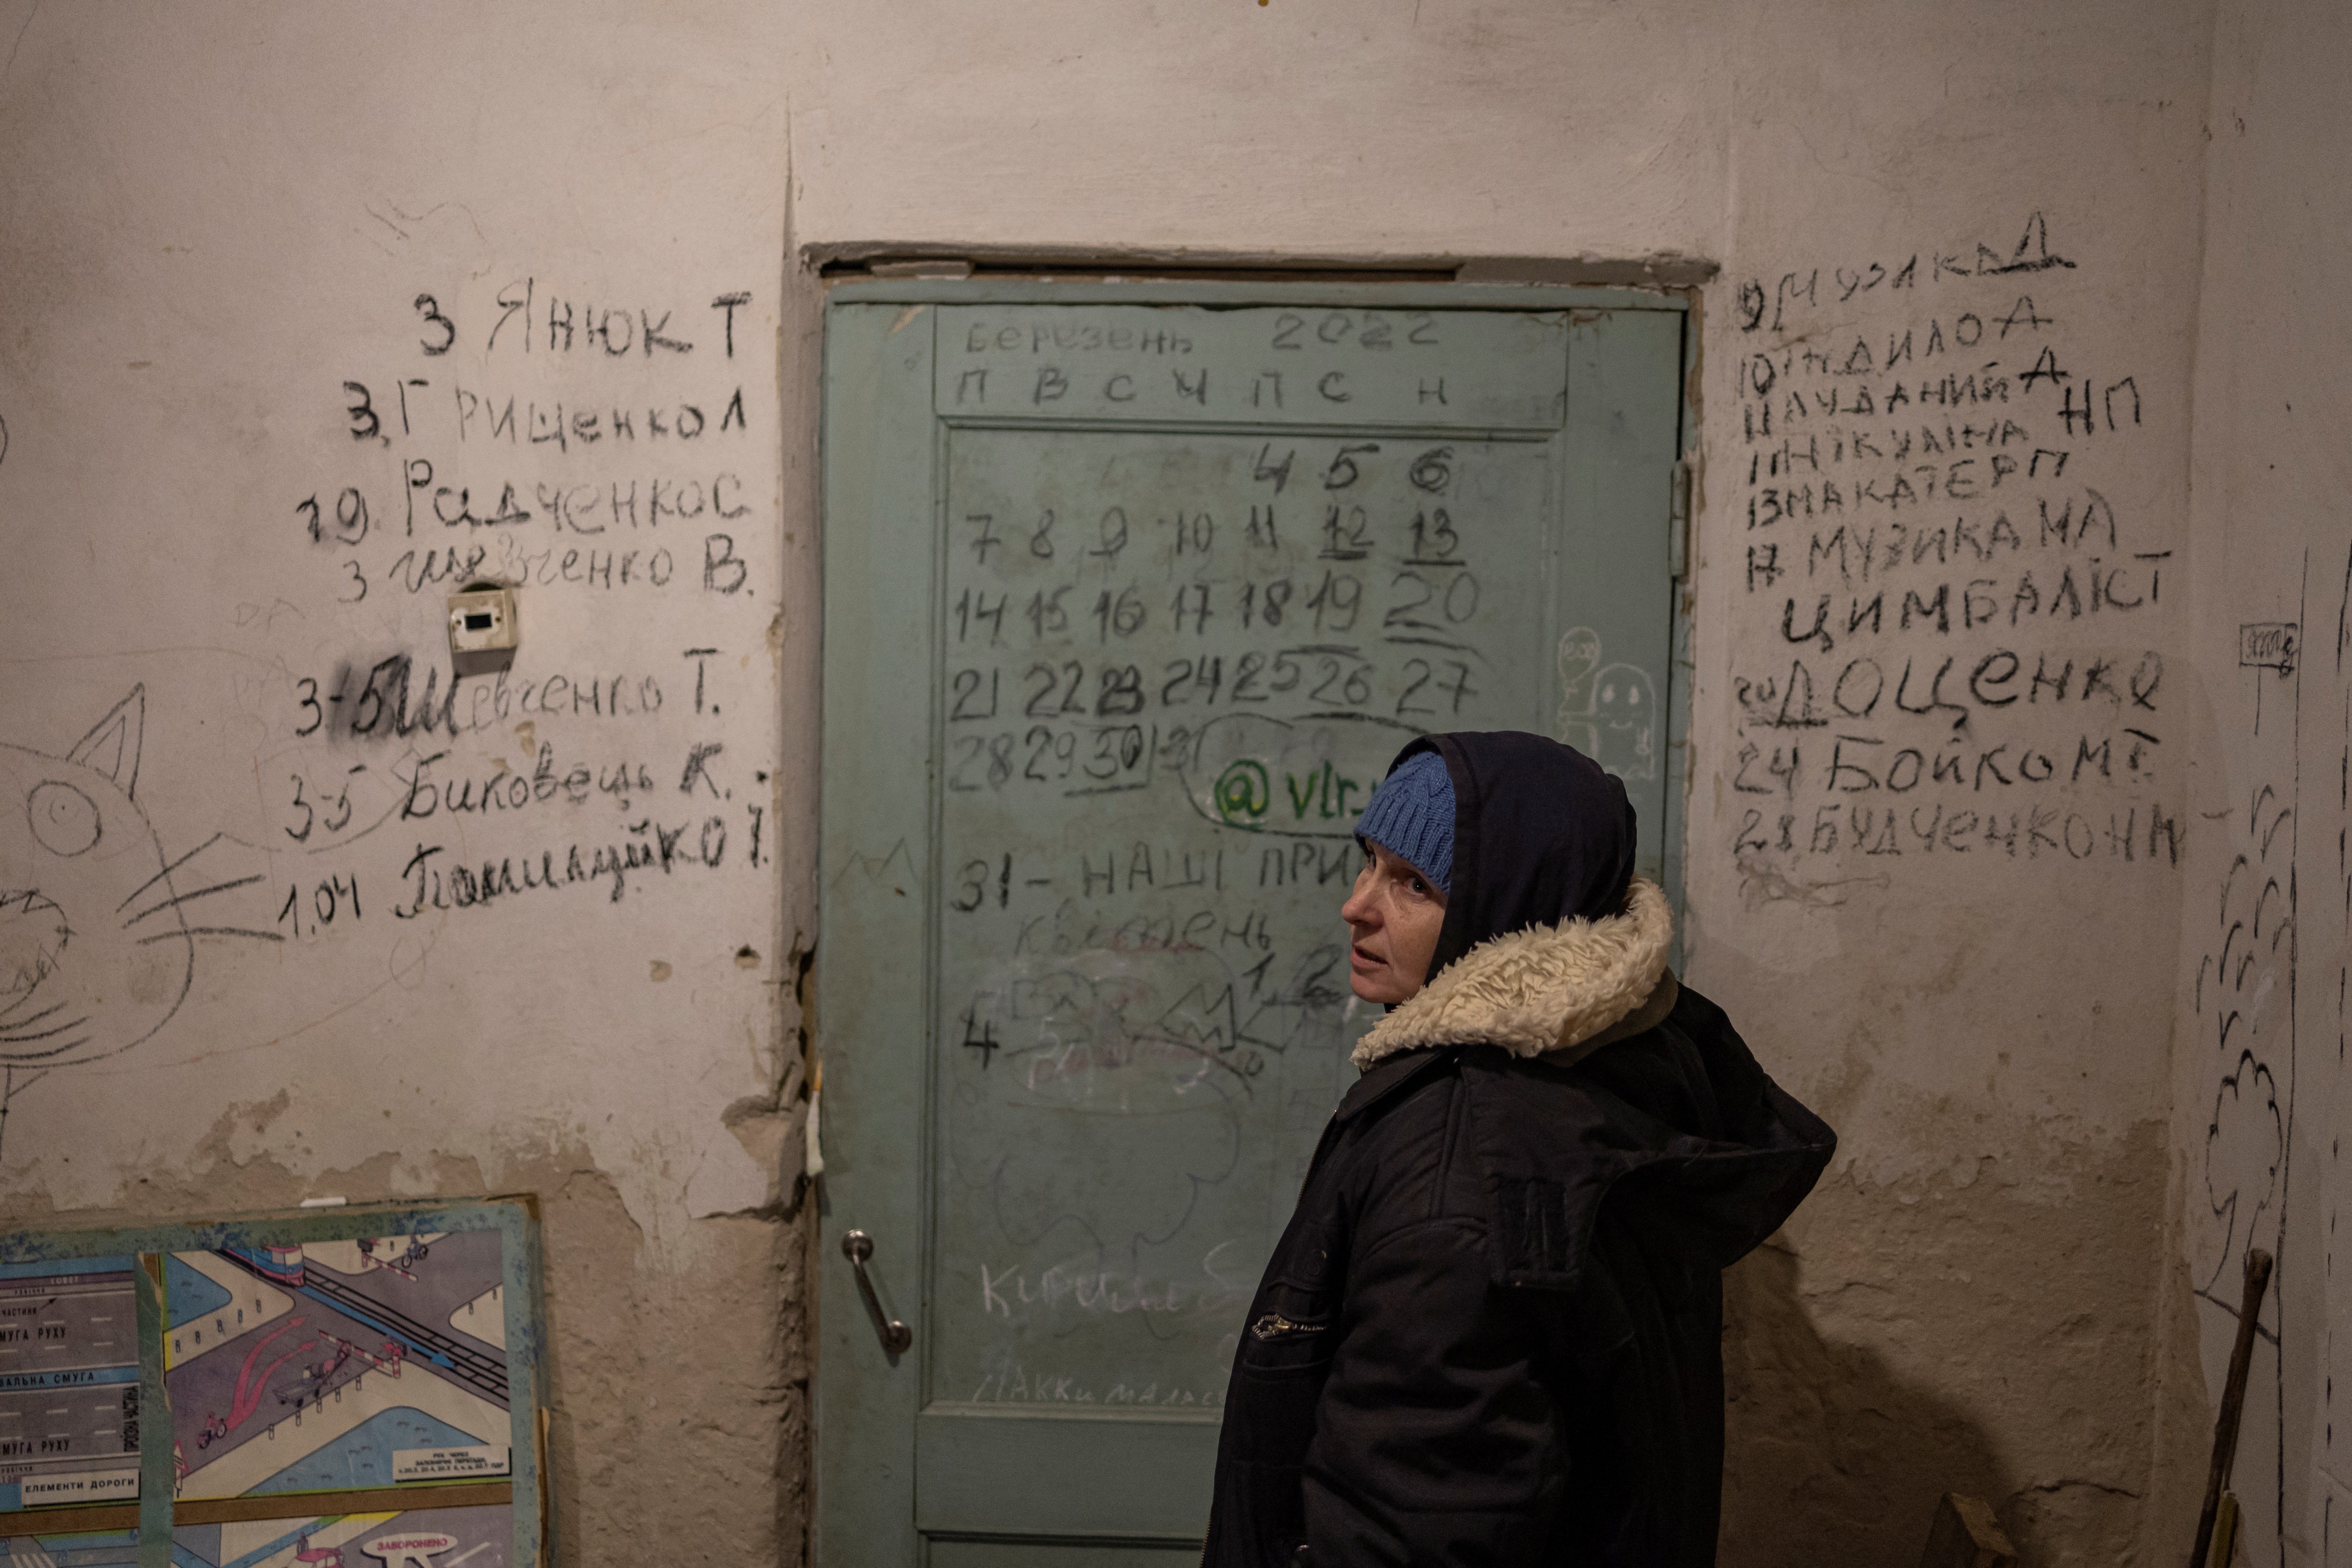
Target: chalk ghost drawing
x=1610 y=713
x=96 y=950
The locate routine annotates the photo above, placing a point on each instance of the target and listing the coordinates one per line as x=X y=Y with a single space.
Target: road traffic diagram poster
x=344 y=1387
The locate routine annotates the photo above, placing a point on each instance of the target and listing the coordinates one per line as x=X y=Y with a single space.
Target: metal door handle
x=896 y=1336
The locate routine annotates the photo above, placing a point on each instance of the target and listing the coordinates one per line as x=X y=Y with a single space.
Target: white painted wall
x=213 y=221
x=216 y=237
x=208 y=224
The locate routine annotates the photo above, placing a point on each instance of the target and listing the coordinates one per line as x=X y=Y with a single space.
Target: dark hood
x=1540 y=835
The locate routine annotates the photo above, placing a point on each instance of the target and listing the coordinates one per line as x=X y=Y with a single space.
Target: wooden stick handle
x=2233 y=1400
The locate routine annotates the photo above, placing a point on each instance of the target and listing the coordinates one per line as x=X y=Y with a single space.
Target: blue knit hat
x=1411 y=815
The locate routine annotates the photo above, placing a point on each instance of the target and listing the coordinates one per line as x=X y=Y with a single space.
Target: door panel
x=1127 y=607
x=1057 y=1554
x=1121 y=1475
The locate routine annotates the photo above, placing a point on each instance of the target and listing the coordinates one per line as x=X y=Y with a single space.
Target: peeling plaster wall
x=208 y=226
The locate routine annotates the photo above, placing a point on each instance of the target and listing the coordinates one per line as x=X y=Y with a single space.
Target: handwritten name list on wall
x=593 y=454
x=1949 y=590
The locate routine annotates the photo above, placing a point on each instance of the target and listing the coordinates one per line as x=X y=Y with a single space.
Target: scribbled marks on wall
x=2245 y=993
x=2271 y=1033
x=1610 y=713
x=2242 y=991
x=2268 y=645
x=97 y=942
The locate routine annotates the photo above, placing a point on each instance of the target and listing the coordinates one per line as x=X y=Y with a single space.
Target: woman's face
x=1393 y=917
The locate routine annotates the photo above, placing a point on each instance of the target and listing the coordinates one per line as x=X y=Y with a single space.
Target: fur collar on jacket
x=1547 y=988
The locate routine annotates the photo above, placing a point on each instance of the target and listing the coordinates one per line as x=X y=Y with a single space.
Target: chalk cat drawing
x=1610 y=713
x=95 y=949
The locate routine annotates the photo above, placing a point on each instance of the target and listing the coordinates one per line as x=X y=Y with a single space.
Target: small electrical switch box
x=483 y=629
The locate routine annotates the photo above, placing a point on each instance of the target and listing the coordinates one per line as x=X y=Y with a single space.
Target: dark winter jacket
x=1492 y=1332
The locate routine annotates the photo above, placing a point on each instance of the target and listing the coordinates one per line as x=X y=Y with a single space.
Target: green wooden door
x=1130 y=597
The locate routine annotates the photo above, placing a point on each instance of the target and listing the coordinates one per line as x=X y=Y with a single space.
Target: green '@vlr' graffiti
x=1244 y=793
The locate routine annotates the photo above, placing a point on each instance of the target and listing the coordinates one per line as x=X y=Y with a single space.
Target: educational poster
x=336 y=1365
x=69 y=1382
x=431 y=1538
x=83 y=1548
x=352 y=1387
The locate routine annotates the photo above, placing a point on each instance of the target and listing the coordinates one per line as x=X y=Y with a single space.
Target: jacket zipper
x=1274 y=1326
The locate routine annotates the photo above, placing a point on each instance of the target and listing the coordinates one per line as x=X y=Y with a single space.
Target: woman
x=1492 y=1332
